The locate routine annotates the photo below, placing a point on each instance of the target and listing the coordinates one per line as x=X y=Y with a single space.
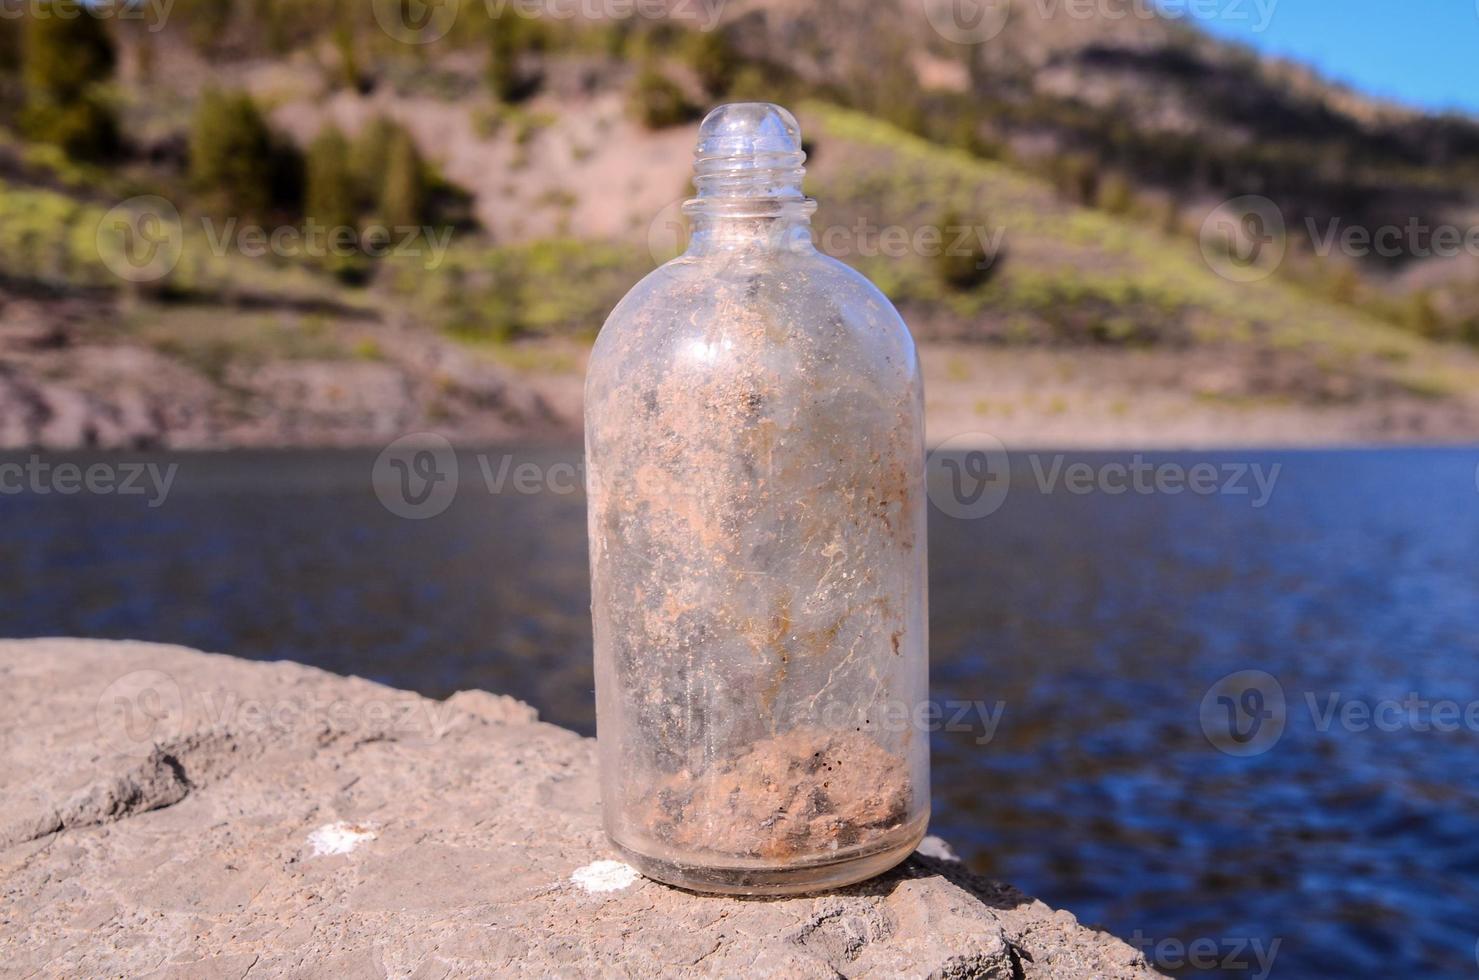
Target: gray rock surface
x=167 y=813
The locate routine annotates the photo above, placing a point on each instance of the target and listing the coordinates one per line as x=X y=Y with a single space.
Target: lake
x=1319 y=809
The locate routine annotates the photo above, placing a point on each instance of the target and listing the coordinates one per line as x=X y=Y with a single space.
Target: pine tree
x=65 y=62
x=329 y=192
x=66 y=57
x=369 y=156
x=657 y=101
x=963 y=262
x=344 y=44
x=1116 y=194
x=404 y=192
x=511 y=35
x=714 y=60
x=233 y=161
x=10 y=48
x=1422 y=316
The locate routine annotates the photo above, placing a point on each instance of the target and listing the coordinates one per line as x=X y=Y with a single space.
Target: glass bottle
x=755 y=466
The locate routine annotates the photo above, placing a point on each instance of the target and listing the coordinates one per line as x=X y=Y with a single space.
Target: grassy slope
x=1059 y=256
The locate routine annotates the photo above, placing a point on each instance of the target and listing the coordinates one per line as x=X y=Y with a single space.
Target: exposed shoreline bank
x=72 y=386
x=194 y=814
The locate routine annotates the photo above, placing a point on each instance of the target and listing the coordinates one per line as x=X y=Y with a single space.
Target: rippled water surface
x=1075 y=638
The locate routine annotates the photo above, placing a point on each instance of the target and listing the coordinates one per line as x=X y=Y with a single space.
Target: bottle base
x=758 y=880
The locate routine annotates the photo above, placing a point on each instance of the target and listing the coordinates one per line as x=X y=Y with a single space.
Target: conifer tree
x=65 y=63
x=404 y=192
x=329 y=190
x=233 y=162
x=511 y=34
x=369 y=157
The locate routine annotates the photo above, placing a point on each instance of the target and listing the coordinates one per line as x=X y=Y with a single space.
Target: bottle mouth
x=749 y=163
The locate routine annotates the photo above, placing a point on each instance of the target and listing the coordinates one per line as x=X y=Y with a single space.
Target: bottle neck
x=748 y=169
x=749 y=224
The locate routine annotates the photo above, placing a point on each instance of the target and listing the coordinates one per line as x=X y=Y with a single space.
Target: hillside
x=1090 y=316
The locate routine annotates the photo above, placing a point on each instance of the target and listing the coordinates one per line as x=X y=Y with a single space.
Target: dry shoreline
x=68 y=384
x=1164 y=401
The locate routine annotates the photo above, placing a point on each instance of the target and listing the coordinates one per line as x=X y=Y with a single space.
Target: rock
x=105 y=397
x=311 y=401
x=25 y=326
x=169 y=813
x=70 y=379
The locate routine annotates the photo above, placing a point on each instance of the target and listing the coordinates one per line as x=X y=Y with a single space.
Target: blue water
x=1098 y=621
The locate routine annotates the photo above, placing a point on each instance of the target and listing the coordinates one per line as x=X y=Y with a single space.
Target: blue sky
x=1419 y=52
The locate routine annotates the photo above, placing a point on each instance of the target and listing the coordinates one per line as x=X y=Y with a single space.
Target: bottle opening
x=749 y=162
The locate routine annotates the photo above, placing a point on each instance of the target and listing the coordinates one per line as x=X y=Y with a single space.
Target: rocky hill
x=1077 y=159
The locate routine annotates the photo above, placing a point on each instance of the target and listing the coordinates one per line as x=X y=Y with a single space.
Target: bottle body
x=755 y=463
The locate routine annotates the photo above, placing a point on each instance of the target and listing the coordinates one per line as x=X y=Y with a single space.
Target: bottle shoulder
x=797 y=294
x=802 y=321
x=807 y=270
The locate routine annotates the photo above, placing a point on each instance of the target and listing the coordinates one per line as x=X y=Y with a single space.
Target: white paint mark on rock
x=604 y=876
x=339 y=838
x=937 y=848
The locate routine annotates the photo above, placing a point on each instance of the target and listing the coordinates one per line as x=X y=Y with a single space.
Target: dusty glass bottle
x=755 y=466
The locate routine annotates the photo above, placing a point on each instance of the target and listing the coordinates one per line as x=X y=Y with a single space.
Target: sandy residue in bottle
x=808 y=792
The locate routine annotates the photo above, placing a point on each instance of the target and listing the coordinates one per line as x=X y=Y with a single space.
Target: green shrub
x=85 y=129
x=1468 y=330
x=1116 y=195
x=964 y=133
x=963 y=262
x=615 y=37
x=1168 y=215
x=891 y=93
x=1077 y=178
x=714 y=59
x=657 y=102
x=752 y=84
x=502 y=293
